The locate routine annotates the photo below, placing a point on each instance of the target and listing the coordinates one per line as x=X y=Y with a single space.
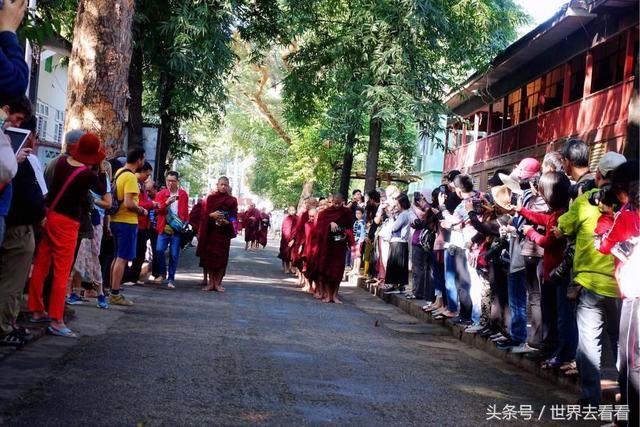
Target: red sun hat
x=527 y=168
x=87 y=150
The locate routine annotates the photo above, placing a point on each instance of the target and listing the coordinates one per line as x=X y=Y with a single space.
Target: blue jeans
x=450 y=281
x=518 y=306
x=164 y=240
x=567 y=326
x=437 y=273
x=595 y=315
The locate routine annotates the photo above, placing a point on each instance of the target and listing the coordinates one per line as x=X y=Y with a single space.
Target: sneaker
x=12 y=339
x=102 y=302
x=523 y=348
x=73 y=299
x=507 y=345
x=119 y=300
x=474 y=329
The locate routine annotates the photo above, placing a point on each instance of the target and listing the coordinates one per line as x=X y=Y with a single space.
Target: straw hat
x=502 y=196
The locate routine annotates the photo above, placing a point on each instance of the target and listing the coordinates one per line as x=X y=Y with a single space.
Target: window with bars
x=608 y=63
x=596 y=152
x=43 y=124
x=553 y=88
x=513 y=108
x=57 y=135
x=532 y=103
x=576 y=84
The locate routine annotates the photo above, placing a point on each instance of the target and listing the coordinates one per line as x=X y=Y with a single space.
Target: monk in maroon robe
x=286 y=235
x=216 y=232
x=298 y=240
x=263 y=228
x=333 y=234
x=251 y=225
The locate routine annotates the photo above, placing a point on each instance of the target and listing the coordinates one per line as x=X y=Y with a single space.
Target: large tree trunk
x=375 y=134
x=99 y=69
x=168 y=124
x=347 y=164
x=134 y=127
x=307 y=191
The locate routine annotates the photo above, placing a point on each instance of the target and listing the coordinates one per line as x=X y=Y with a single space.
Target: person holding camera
x=622 y=241
x=172 y=214
x=594 y=285
x=558 y=313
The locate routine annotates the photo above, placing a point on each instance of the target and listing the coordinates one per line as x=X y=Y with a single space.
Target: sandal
x=21 y=331
x=63 y=332
x=44 y=319
x=12 y=339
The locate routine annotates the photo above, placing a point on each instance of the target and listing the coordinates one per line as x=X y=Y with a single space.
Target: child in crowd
x=360 y=235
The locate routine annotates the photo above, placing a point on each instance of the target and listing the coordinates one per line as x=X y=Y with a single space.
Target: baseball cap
x=610 y=161
x=527 y=168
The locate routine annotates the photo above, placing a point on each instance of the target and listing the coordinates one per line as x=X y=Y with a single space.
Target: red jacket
x=553 y=247
x=183 y=207
x=144 y=223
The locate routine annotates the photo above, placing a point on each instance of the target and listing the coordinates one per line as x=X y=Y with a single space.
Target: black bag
x=115 y=202
x=427 y=239
x=186 y=235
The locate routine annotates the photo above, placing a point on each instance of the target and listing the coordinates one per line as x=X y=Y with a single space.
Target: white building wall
x=52 y=97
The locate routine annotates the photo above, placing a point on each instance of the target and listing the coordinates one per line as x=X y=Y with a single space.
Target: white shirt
x=8 y=164
x=39 y=172
x=174 y=206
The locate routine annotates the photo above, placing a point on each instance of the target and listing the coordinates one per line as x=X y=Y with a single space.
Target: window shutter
x=597 y=151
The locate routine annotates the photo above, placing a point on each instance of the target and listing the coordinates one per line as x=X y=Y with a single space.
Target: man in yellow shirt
x=124 y=223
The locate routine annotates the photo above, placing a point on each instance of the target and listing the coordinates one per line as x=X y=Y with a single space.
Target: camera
x=443 y=189
x=581 y=188
x=478 y=205
x=604 y=195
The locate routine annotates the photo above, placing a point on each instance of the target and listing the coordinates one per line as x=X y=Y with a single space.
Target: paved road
x=263 y=353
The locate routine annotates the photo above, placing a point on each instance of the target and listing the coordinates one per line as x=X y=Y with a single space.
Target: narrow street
x=263 y=353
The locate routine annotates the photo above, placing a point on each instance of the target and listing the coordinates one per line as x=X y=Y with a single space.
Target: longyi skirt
x=398 y=264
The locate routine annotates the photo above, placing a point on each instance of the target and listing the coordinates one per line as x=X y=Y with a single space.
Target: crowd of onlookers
x=542 y=263
x=81 y=227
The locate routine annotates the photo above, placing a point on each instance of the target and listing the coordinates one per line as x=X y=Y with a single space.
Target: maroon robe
x=310 y=249
x=286 y=234
x=329 y=257
x=251 y=222
x=214 y=240
x=263 y=228
x=195 y=215
x=298 y=239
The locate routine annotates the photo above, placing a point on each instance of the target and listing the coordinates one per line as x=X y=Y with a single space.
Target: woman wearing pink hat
x=72 y=180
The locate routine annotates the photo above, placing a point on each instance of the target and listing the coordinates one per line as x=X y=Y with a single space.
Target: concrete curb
x=411 y=307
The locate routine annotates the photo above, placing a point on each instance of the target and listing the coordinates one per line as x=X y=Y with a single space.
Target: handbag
x=175 y=223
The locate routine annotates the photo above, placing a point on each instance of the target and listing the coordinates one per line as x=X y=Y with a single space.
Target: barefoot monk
x=216 y=232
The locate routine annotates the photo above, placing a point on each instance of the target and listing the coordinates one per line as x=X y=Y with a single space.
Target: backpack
x=115 y=202
x=427 y=239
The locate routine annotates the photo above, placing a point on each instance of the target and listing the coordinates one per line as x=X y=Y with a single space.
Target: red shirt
x=553 y=247
x=183 y=207
x=144 y=223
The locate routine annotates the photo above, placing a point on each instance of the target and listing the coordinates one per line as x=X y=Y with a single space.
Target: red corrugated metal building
x=572 y=76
